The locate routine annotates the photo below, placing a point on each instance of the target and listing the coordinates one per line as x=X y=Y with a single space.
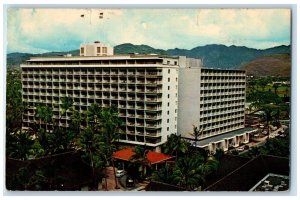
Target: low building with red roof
x=153 y=157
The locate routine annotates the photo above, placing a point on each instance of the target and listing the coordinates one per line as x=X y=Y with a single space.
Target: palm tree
x=188 y=172
x=93 y=116
x=140 y=158
x=60 y=140
x=175 y=145
x=268 y=115
x=254 y=151
x=109 y=125
x=219 y=154
x=165 y=174
x=191 y=171
x=197 y=133
x=91 y=145
x=44 y=114
x=66 y=104
x=76 y=119
x=20 y=146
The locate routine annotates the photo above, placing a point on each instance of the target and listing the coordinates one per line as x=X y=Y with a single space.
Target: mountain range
x=213 y=56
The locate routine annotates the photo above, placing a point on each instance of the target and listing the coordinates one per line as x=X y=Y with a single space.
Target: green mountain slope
x=213 y=56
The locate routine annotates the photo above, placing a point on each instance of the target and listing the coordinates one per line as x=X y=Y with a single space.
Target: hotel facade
x=156 y=95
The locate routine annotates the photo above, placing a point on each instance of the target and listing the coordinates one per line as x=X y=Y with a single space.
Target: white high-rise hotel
x=156 y=95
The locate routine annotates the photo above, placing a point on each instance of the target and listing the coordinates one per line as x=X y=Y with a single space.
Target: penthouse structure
x=156 y=95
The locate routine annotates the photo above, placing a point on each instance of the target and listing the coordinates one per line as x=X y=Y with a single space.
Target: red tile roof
x=153 y=157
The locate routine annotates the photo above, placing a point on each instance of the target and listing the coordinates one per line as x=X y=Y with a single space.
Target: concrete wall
x=188 y=100
x=169 y=102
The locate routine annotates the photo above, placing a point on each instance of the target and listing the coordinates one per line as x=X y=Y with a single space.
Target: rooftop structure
x=96 y=49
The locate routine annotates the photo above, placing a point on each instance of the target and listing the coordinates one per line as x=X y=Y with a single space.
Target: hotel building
x=156 y=95
x=214 y=101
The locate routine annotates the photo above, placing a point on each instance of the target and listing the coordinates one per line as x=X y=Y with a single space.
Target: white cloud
x=61 y=29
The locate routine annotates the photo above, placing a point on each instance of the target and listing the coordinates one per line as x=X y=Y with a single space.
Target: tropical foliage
x=191 y=166
x=175 y=146
x=14 y=104
x=97 y=140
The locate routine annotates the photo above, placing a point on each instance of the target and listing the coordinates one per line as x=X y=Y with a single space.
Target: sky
x=38 y=30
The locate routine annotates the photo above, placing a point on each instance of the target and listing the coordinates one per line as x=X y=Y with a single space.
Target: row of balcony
x=104 y=73
x=223 y=112
x=100 y=89
x=223 y=93
x=27 y=85
x=144 y=125
x=222 y=100
x=222 y=74
x=221 y=106
x=232 y=80
x=92 y=88
x=139 y=116
x=147 y=134
x=236 y=123
x=218 y=119
x=97 y=81
x=223 y=87
x=146 y=100
x=212 y=132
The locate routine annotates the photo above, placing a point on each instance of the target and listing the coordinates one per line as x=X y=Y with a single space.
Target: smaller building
x=96 y=49
x=272 y=182
x=247 y=175
x=152 y=156
x=225 y=141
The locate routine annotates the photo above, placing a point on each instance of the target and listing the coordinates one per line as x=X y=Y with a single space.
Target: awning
x=152 y=156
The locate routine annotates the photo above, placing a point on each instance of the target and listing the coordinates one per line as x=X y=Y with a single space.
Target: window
x=169 y=79
x=104 y=49
x=168 y=120
x=175 y=63
x=168 y=112
x=168 y=87
x=168 y=62
x=176 y=79
x=168 y=71
x=168 y=96
x=98 y=50
x=168 y=104
x=175 y=110
x=82 y=50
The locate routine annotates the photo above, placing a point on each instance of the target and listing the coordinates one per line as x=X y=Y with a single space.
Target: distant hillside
x=213 y=56
x=142 y=49
x=221 y=56
x=274 y=65
x=13 y=60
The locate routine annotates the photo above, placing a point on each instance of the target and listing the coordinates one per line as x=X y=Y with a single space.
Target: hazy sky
x=41 y=30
